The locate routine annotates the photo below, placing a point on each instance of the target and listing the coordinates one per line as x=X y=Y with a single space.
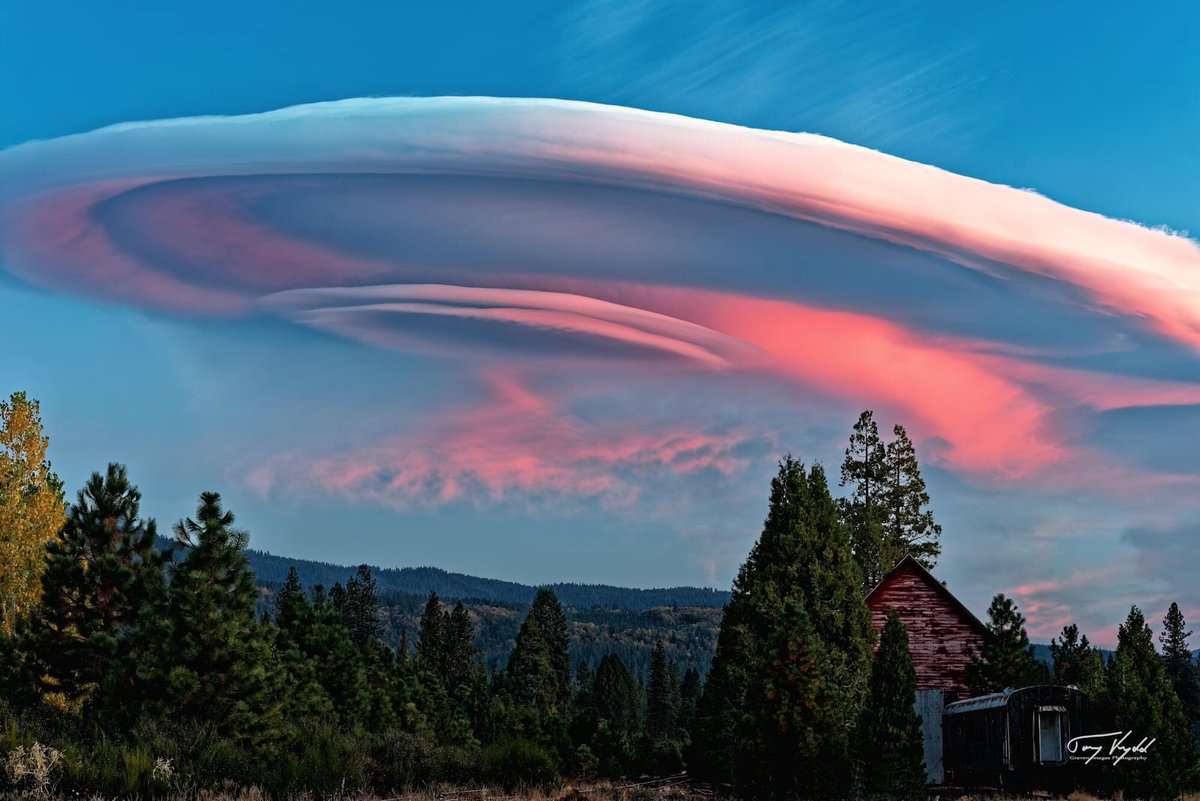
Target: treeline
x=420 y=581
x=689 y=634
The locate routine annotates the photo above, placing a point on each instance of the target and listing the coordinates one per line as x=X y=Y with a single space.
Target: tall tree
x=224 y=669
x=32 y=508
x=793 y=653
x=1145 y=704
x=101 y=572
x=662 y=698
x=890 y=735
x=908 y=522
x=865 y=472
x=430 y=646
x=1007 y=659
x=1071 y=655
x=552 y=620
x=1180 y=665
x=690 y=689
x=460 y=656
x=532 y=675
x=360 y=611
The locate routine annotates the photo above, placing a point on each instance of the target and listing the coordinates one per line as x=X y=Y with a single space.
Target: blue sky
x=1096 y=107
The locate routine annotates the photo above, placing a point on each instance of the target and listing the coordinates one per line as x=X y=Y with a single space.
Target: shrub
x=33 y=768
x=516 y=763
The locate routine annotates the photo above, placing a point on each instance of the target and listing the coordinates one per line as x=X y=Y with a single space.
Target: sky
x=542 y=291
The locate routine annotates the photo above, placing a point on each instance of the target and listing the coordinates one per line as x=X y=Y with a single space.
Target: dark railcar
x=1016 y=739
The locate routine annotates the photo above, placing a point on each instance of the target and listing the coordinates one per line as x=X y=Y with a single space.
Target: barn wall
x=940 y=635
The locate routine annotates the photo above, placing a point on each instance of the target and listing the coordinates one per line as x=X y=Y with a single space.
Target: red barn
x=942 y=632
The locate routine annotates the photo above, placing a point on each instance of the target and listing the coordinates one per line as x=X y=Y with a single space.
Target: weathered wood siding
x=940 y=636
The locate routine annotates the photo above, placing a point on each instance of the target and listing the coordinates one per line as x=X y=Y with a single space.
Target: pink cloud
x=516 y=445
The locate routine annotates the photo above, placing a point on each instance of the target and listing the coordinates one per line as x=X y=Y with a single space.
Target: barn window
x=1050 y=733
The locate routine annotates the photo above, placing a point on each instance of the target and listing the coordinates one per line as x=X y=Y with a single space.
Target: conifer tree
x=1007 y=660
x=430 y=648
x=1181 y=667
x=32 y=509
x=690 y=689
x=662 y=701
x=908 y=523
x=1071 y=655
x=460 y=656
x=890 y=736
x=793 y=653
x=864 y=512
x=360 y=610
x=532 y=675
x=102 y=572
x=1145 y=704
x=616 y=694
x=552 y=621
x=224 y=670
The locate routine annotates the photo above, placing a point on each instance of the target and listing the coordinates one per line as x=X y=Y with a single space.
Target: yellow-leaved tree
x=32 y=508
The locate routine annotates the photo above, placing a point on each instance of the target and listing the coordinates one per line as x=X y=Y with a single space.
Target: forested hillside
x=423 y=580
x=602 y=619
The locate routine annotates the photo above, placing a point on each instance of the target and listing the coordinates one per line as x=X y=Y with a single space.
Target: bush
x=516 y=763
x=401 y=760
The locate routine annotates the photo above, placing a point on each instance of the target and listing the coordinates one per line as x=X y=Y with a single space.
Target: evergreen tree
x=690 y=689
x=793 y=653
x=360 y=610
x=1144 y=703
x=429 y=643
x=532 y=676
x=103 y=578
x=864 y=512
x=908 y=525
x=552 y=621
x=890 y=732
x=616 y=695
x=1007 y=660
x=1181 y=667
x=224 y=670
x=32 y=508
x=1071 y=655
x=662 y=701
x=460 y=657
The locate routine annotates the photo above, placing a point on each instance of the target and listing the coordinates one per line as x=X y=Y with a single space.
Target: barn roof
x=909 y=563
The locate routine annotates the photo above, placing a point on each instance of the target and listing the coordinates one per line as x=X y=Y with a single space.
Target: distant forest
x=602 y=619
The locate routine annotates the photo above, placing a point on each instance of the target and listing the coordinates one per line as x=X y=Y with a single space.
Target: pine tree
x=32 y=509
x=224 y=668
x=865 y=471
x=551 y=619
x=1071 y=655
x=1007 y=660
x=616 y=695
x=662 y=701
x=360 y=610
x=793 y=653
x=1181 y=667
x=1144 y=703
x=890 y=736
x=460 y=656
x=908 y=523
x=532 y=675
x=430 y=648
x=690 y=689
x=102 y=572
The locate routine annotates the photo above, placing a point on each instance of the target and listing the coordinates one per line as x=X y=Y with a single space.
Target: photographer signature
x=1111 y=746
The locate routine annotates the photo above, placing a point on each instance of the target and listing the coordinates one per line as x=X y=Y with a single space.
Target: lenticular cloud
x=479 y=229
